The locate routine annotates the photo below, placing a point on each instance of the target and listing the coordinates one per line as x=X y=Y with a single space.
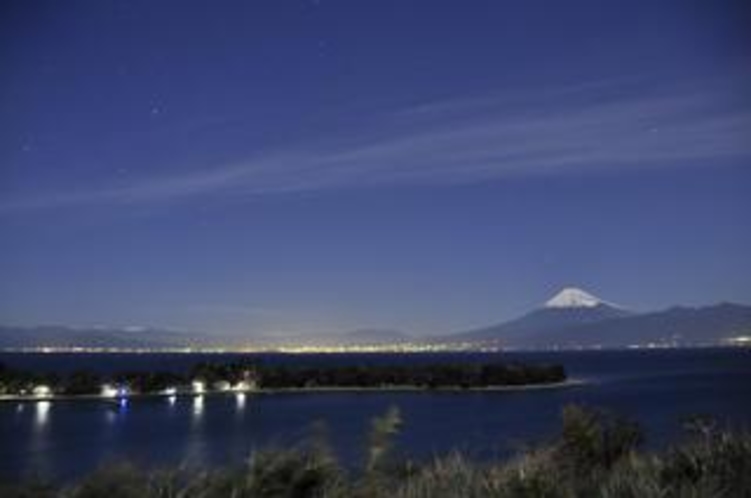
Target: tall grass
x=596 y=455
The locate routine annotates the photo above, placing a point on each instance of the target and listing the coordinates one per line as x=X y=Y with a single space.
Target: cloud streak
x=595 y=128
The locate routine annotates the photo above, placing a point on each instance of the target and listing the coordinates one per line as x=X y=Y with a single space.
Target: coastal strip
x=244 y=377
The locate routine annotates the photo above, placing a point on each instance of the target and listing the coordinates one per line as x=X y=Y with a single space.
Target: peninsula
x=205 y=378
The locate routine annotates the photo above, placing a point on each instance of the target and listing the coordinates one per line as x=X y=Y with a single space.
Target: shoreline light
x=241 y=386
x=41 y=391
x=109 y=391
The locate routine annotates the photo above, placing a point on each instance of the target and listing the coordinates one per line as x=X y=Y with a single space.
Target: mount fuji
x=569 y=307
x=572 y=297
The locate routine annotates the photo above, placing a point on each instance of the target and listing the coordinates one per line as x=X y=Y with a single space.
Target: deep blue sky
x=304 y=166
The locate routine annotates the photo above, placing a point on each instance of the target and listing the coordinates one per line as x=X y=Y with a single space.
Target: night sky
x=272 y=166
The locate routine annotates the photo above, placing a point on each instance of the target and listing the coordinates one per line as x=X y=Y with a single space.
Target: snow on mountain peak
x=571 y=297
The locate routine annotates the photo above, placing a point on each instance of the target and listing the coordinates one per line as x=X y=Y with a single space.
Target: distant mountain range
x=59 y=336
x=64 y=337
x=377 y=336
x=573 y=318
x=358 y=337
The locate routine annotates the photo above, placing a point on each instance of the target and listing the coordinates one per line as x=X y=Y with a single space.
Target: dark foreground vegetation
x=595 y=455
x=245 y=376
x=427 y=376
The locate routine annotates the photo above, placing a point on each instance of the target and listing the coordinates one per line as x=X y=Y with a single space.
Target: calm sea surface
x=61 y=440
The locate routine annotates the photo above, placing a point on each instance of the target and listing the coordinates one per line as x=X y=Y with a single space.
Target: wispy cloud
x=592 y=127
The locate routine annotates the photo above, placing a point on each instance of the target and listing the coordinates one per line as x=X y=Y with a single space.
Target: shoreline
x=304 y=390
x=408 y=388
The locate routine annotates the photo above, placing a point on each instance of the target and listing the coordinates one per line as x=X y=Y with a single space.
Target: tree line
x=221 y=376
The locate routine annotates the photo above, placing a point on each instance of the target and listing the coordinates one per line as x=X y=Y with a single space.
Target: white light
x=109 y=391
x=42 y=391
x=240 y=399
x=170 y=391
x=172 y=400
x=243 y=385
x=198 y=387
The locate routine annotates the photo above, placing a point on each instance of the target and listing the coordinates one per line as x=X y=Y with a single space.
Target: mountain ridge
x=615 y=327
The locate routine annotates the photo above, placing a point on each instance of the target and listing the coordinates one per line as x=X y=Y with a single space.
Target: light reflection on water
x=198 y=406
x=240 y=401
x=195 y=452
x=110 y=416
x=39 y=440
x=42 y=413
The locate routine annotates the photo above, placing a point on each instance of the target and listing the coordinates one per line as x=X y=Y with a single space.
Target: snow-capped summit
x=571 y=297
